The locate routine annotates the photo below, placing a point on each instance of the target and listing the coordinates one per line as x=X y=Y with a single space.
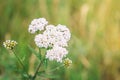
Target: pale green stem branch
x=20 y=62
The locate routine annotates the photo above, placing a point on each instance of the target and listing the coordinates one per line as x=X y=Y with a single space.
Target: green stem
x=36 y=72
x=55 y=68
x=40 y=53
x=37 y=69
x=20 y=62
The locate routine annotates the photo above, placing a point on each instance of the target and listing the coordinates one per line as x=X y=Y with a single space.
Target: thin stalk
x=20 y=62
x=39 y=65
x=55 y=69
x=40 y=53
x=36 y=72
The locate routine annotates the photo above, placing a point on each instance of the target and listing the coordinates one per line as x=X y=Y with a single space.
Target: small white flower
x=37 y=25
x=64 y=31
x=41 y=41
x=57 y=35
x=57 y=53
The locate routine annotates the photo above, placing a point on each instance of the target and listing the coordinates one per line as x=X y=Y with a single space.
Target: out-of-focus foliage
x=95 y=42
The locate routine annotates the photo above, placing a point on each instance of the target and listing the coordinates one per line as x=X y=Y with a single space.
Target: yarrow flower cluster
x=54 y=37
x=9 y=44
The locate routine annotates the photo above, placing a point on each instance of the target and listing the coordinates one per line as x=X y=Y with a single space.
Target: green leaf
x=25 y=75
x=45 y=63
x=38 y=55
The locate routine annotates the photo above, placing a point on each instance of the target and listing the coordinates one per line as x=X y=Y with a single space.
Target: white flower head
x=64 y=31
x=41 y=41
x=57 y=35
x=37 y=25
x=57 y=53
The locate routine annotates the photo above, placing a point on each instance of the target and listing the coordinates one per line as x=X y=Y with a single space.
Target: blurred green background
x=95 y=43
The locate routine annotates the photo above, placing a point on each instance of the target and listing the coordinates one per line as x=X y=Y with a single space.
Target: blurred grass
x=94 y=46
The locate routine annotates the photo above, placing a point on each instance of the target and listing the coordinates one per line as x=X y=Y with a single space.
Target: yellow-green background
x=95 y=43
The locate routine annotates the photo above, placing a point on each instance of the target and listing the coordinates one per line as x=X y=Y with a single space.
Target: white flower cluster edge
x=55 y=37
